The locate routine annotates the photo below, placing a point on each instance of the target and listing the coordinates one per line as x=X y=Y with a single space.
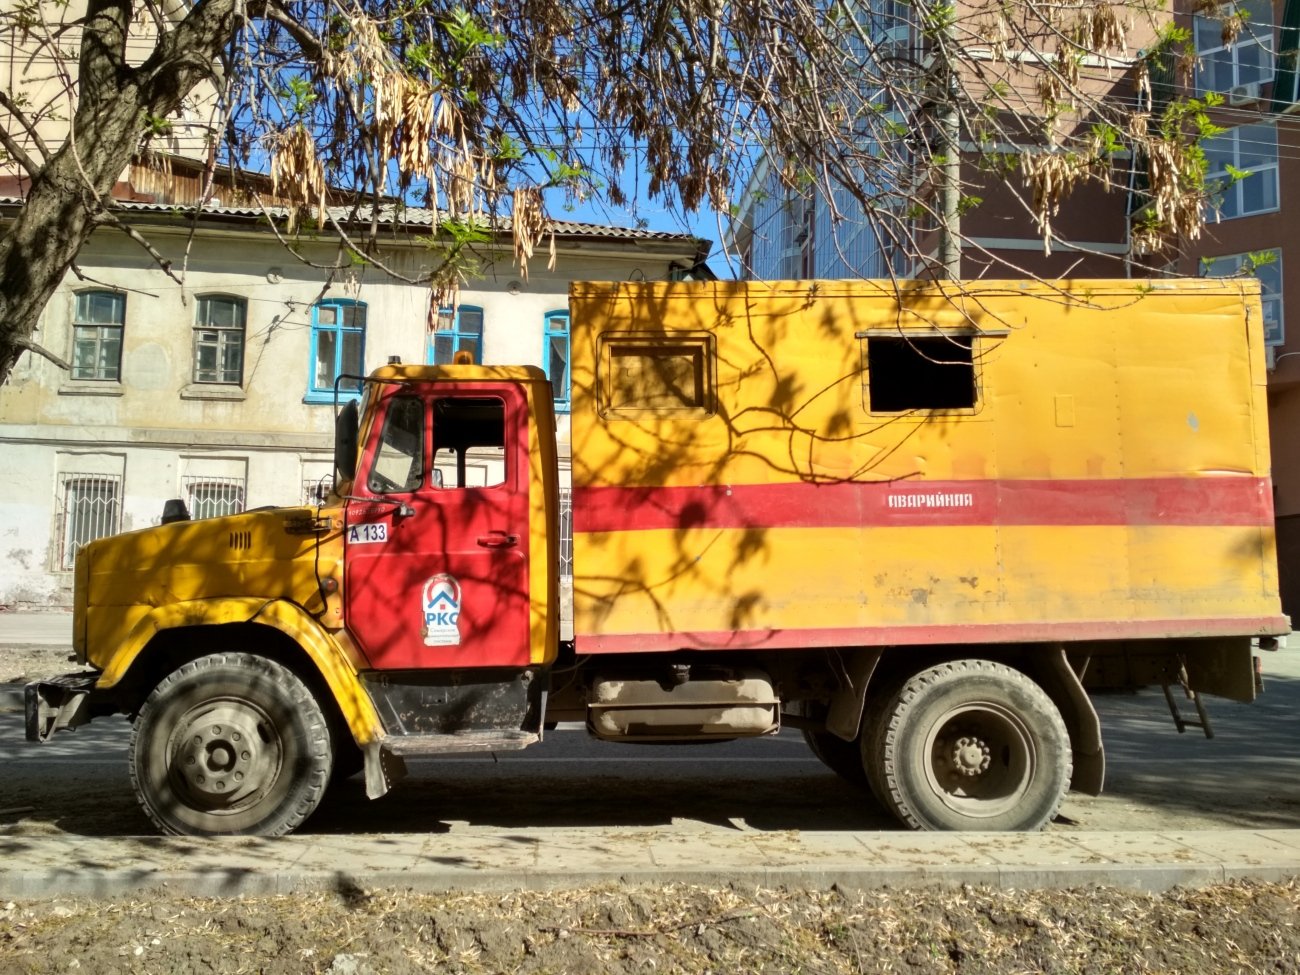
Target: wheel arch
x=1047 y=666
x=170 y=636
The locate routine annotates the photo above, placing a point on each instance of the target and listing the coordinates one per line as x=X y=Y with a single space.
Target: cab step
x=386 y=758
x=459 y=742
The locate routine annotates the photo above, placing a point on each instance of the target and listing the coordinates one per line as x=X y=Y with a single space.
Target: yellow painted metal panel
x=1118 y=429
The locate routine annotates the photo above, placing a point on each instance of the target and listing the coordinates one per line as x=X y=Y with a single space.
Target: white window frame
x=1258 y=32
x=225 y=341
x=91 y=333
x=1271 y=281
x=1231 y=204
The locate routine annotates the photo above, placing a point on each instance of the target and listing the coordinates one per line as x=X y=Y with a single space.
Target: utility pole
x=949 y=143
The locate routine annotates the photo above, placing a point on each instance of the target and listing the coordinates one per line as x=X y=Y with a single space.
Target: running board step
x=460 y=742
x=386 y=758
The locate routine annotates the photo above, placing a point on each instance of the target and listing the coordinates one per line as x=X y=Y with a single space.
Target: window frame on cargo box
x=942 y=377
x=700 y=348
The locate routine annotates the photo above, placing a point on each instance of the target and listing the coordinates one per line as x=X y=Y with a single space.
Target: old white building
x=219 y=388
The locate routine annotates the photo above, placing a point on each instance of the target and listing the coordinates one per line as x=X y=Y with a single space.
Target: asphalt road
x=1248 y=776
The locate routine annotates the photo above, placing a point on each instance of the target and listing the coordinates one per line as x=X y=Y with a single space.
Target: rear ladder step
x=1202 y=716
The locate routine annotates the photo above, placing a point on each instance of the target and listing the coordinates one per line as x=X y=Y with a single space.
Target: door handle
x=498 y=539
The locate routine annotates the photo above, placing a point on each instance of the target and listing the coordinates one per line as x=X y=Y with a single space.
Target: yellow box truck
x=913 y=521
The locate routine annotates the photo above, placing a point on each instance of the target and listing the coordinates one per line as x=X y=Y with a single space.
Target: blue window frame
x=557 y=358
x=459 y=330
x=338 y=344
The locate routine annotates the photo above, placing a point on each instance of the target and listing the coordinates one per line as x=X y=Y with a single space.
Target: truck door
x=436 y=540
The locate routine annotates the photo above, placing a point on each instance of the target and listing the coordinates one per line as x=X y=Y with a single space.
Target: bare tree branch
x=26 y=342
x=30 y=130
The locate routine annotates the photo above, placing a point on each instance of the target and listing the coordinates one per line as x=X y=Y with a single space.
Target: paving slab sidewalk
x=46 y=866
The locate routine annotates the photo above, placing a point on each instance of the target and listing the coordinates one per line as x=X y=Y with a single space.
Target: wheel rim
x=980 y=759
x=225 y=755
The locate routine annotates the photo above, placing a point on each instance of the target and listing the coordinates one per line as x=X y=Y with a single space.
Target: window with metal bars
x=213 y=497
x=314 y=491
x=566 y=531
x=89 y=508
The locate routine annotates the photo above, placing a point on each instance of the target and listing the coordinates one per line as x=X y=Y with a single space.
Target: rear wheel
x=230 y=743
x=972 y=745
x=844 y=758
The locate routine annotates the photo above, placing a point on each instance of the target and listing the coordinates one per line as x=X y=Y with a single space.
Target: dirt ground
x=609 y=931
x=20 y=664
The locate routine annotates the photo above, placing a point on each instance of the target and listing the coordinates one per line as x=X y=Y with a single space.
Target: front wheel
x=972 y=745
x=230 y=744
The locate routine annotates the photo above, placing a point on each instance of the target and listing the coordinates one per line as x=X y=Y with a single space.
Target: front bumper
x=59 y=703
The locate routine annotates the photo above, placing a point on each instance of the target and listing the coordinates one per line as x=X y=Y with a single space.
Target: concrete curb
x=44 y=866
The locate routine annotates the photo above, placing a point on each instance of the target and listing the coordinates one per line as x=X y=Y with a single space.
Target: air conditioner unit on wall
x=1244 y=94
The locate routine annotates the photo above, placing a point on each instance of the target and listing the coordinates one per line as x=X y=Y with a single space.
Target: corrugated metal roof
x=405 y=217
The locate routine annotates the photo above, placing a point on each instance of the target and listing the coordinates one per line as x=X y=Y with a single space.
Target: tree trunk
x=71 y=191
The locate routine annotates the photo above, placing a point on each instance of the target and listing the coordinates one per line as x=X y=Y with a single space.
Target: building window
x=89 y=508
x=566 y=532
x=797 y=238
x=557 y=358
x=219 y=339
x=459 y=330
x=1249 y=148
x=97 y=335
x=1244 y=64
x=338 y=339
x=1270 y=284
x=213 y=497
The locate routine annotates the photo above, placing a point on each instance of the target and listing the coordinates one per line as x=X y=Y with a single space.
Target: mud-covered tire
x=973 y=745
x=844 y=758
x=231 y=743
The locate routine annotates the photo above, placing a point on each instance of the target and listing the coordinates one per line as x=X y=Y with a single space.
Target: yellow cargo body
x=822 y=464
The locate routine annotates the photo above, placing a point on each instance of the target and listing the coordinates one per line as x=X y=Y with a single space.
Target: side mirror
x=345 y=441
